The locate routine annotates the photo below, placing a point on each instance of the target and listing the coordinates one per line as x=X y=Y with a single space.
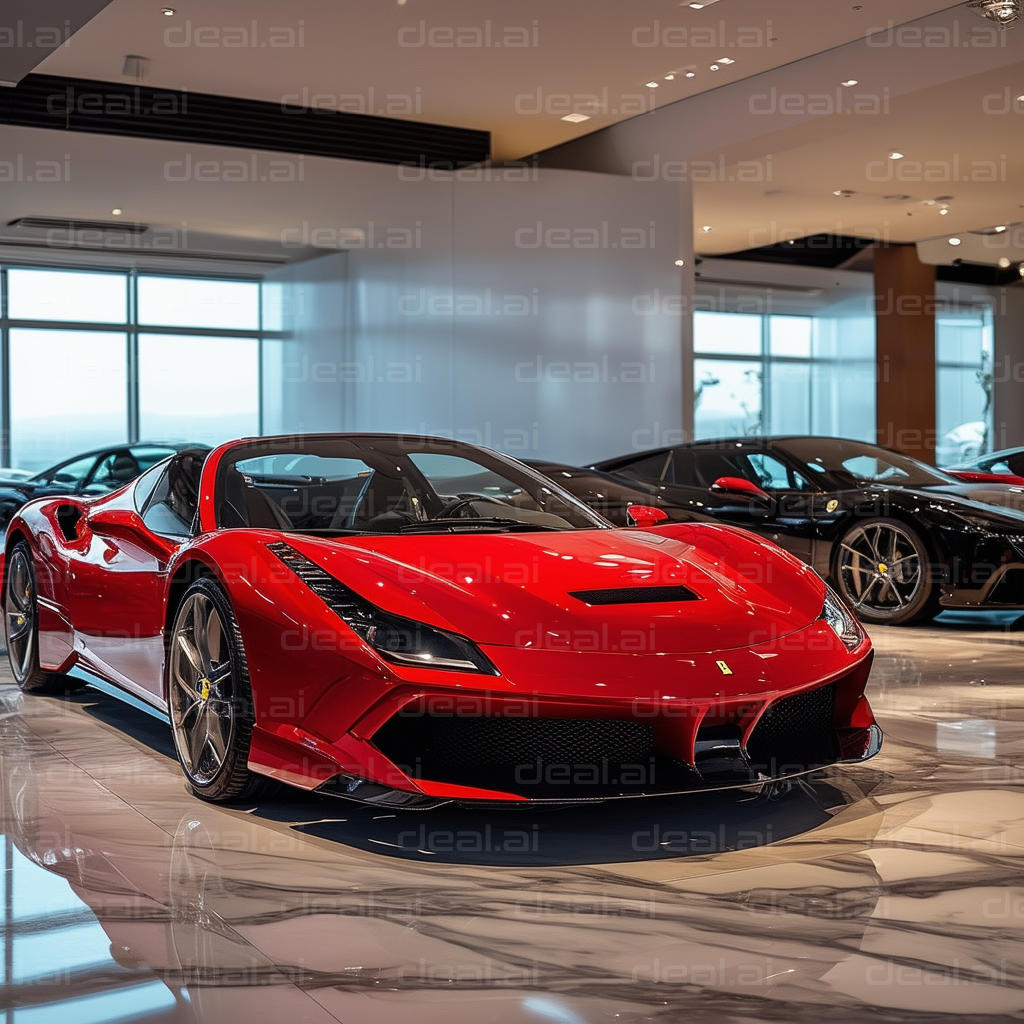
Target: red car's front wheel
x=209 y=696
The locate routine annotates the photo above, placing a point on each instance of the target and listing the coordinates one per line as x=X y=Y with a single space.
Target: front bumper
x=567 y=727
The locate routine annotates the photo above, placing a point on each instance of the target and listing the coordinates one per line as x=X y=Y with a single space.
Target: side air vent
x=636 y=595
x=68 y=517
x=114 y=108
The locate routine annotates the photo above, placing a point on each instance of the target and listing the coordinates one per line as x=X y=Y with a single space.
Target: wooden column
x=905 y=352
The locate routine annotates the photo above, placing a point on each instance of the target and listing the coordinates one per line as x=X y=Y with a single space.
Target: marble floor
x=892 y=891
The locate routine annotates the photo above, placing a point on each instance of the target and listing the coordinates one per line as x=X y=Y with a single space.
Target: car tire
x=21 y=627
x=209 y=697
x=883 y=570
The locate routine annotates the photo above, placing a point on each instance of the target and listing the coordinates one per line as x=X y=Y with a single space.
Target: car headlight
x=403 y=641
x=842 y=621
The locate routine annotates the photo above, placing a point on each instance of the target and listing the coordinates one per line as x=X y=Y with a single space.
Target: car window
x=145 y=484
x=651 y=468
x=1000 y=466
x=150 y=455
x=171 y=507
x=113 y=471
x=1016 y=463
x=773 y=475
x=71 y=472
x=682 y=469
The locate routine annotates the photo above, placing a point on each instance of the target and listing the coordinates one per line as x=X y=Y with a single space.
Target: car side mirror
x=739 y=485
x=645 y=515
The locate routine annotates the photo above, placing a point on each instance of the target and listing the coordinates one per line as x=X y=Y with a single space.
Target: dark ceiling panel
x=827 y=251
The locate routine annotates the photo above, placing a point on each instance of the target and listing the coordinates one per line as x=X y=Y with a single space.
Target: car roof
x=761 y=440
x=176 y=446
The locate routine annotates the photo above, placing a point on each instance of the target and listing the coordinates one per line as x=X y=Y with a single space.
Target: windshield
x=853 y=462
x=388 y=484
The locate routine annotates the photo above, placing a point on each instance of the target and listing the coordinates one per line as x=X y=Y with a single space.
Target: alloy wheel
x=881 y=569
x=21 y=614
x=201 y=697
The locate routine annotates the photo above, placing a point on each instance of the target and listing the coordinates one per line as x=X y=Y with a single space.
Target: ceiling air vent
x=75 y=228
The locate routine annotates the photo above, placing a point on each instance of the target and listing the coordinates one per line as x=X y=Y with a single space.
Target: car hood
x=1008 y=498
x=516 y=589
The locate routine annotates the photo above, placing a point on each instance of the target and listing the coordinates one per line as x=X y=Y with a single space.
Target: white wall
x=562 y=340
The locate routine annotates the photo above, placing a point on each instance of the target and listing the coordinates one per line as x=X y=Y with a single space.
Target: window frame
x=131 y=328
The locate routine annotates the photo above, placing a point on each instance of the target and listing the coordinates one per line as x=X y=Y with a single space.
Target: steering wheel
x=460 y=503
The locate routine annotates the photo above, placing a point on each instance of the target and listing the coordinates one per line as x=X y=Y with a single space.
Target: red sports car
x=406 y=621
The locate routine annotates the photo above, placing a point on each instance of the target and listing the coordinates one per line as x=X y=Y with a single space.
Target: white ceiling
x=352 y=53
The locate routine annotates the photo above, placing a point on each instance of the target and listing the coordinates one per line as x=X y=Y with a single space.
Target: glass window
x=147 y=456
x=789 y=336
x=84 y=296
x=727 y=333
x=174 y=500
x=68 y=392
x=728 y=398
x=203 y=390
x=963 y=386
x=199 y=302
x=650 y=468
x=773 y=475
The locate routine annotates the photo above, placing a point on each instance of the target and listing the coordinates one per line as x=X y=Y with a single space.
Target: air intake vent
x=75 y=227
x=111 y=108
x=636 y=595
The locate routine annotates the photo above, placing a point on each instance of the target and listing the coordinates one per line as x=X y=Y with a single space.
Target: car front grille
x=795 y=733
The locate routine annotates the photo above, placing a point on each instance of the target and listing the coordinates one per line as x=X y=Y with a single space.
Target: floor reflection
x=891 y=890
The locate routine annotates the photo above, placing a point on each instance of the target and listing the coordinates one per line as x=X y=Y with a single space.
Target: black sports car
x=613 y=495
x=898 y=539
x=96 y=472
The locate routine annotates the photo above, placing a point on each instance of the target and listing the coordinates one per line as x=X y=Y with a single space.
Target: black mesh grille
x=538 y=757
x=795 y=732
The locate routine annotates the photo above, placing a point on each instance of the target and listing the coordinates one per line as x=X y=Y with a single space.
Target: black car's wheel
x=883 y=570
x=21 y=622
x=209 y=696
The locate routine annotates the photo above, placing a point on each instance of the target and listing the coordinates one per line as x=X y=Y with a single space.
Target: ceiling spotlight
x=999 y=229
x=1003 y=12
x=576 y=118
x=117 y=211
x=726 y=60
x=691 y=74
x=714 y=67
x=1020 y=270
x=680 y=263
x=652 y=85
x=697 y=7
x=670 y=78
x=954 y=241
x=849 y=83
x=168 y=12
x=1004 y=262
x=844 y=193
x=895 y=154
x=706 y=228
x=944 y=211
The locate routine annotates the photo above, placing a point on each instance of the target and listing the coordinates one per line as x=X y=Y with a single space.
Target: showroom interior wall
x=469 y=321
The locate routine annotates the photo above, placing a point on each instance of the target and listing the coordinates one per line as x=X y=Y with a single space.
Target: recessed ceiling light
x=895 y=155
x=1000 y=228
x=652 y=85
x=706 y=228
x=1020 y=99
x=576 y=118
x=117 y=211
x=1020 y=270
x=844 y=193
x=680 y=263
x=691 y=74
x=954 y=241
x=697 y=7
x=1004 y=262
x=714 y=67
x=944 y=211
x=848 y=83
x=168 y=12
x=670 y=78
x=726 y=60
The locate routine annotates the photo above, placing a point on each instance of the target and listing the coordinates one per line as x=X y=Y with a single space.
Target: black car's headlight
x=403 y=641
x=842 y=621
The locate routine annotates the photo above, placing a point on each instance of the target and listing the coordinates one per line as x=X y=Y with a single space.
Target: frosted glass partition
x=68 y=394
x=964 y=384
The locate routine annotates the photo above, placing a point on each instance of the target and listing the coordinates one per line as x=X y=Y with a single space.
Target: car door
x=787 y=517
x=118 y=570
